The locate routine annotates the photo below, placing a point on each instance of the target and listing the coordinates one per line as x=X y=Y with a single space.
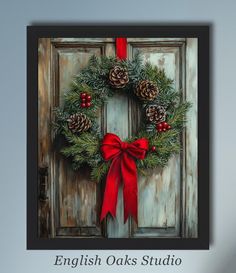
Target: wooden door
x=70 y=203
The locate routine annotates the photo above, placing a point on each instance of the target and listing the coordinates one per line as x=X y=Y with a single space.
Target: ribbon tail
x=111 y=189
x=130 y=190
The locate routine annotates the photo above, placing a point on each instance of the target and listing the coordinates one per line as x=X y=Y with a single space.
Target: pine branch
x=99 y=171
x=178 y=118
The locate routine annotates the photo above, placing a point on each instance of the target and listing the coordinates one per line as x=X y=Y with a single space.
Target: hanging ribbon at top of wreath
x=121 y=48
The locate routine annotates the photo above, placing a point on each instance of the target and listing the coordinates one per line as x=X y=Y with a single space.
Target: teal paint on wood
x=191 y=189
x=117 y=123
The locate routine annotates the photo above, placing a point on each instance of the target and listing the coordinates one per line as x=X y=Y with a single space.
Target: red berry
x=88 y=98
x=88 y=104
x=164 y=129
x=83 y=105
x=160 y=130
x=83 y=100
x=165 y=124
x=153 y=148
x=83 y=95
x=169 y=127
x=159 y=126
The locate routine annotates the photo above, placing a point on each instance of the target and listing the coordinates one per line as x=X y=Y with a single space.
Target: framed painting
x=118 y=137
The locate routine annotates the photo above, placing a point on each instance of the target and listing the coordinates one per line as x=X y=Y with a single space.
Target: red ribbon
x=121 y=48
x=123 y=167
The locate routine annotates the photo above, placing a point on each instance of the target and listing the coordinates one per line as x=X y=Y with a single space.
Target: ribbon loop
x=122 y=168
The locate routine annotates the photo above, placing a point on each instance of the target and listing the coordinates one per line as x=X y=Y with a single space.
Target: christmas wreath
x=163 y=118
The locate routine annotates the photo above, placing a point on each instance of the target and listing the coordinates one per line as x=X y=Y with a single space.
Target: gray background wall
x=14 y=16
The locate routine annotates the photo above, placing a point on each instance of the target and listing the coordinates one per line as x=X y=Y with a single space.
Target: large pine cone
x=78 y=123
x=146 y=90
x=155 y=113
x=118 y=77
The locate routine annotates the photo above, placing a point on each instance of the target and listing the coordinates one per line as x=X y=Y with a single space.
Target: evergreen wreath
x=163 y=112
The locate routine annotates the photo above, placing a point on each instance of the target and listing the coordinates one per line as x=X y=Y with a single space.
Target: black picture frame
x=200 y=32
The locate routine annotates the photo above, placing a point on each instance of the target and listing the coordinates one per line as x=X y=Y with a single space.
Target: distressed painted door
x=69 y=203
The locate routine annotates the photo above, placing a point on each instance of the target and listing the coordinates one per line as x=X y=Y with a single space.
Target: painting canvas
x=71 y=71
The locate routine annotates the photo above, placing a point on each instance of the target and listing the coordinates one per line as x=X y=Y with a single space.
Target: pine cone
x=78 y=123
x=155 y=113
x=118 y=77
x=146 y=90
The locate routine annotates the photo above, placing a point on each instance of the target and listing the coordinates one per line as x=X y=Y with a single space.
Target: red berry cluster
x=85 y=100
x=163 y=126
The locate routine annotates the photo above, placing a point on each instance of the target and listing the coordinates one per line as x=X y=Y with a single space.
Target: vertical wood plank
x=44 y=140
x=117 y=110
x=117 y=123
x=44 y=101
x=191 y=174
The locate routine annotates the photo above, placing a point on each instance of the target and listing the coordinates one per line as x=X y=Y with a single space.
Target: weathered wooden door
x=69 y=203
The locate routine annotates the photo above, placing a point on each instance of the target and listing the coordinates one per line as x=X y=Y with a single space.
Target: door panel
x=77 y=198
x=162 y=187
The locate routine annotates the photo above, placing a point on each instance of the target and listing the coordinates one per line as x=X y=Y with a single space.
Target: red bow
x=123 y=166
